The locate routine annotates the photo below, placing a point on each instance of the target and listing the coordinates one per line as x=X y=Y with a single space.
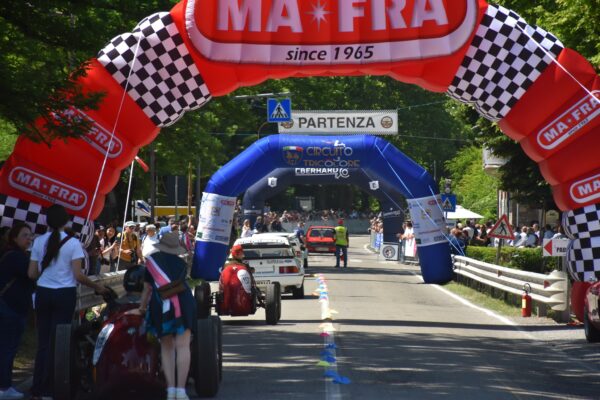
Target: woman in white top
x=410 y=248
x=246 y=229
x=149 y=241
x=56 y=263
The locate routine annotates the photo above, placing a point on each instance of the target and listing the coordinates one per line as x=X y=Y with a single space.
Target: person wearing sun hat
x=171 y=311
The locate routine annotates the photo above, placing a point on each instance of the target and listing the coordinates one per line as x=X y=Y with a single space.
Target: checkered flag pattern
x=34 y=215
x=502 y=63
x=583 y=226
x=164 y=82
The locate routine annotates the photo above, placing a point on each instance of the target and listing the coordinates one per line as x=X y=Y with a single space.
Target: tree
x=475 y=189
x=43 y=50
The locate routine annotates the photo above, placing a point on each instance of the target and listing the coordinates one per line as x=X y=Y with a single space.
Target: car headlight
x=101 y=341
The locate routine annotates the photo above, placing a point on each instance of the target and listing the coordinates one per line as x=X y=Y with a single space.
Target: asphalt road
x=393 y=337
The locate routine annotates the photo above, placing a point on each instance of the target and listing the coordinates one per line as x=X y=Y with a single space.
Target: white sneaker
x=171 y=393
x=11 y=393
x=181 y=395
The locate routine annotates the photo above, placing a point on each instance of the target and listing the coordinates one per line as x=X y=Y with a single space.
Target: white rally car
x=299 y=248
x=274 y=259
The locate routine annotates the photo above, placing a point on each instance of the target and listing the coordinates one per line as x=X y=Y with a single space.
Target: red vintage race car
x=238 y=295
x=320 y=239
x=114 y=354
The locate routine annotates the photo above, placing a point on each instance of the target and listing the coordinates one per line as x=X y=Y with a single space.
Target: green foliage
x=7 y=139
x=574 y=22
x=474 y=189
x=525 y=259
x=43 y=48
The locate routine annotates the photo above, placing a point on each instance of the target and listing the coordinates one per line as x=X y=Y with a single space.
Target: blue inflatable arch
x=311 y=155
x=279 y=179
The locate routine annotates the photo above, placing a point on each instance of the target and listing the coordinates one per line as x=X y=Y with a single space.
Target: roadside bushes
x=526 y=259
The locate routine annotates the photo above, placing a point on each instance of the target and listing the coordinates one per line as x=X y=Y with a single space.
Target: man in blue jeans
x=341 y=243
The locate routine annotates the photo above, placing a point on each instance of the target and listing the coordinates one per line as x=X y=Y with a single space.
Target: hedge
x=526 y=259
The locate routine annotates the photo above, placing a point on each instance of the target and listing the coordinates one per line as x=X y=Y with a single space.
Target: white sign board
x=390 y=252
x=428 y=220
x=383 y=122
x=555 y=247
x=215 y=218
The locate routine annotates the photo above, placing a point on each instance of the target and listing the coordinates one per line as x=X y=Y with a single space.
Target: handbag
x=171 y=289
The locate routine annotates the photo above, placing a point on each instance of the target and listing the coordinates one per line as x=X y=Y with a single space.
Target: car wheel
x=278 y=288
x=273 y=303
x=219 y=324
x=298 y=293
x=592 y=334
x=205 y=358
x=203 y=299
x=65 y=381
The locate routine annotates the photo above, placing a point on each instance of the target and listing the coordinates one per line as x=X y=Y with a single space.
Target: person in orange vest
x=341 y=243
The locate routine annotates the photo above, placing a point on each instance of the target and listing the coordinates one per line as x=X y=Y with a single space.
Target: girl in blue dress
x=171 y=319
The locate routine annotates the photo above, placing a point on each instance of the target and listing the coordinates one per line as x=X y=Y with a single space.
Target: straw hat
x=169 y=243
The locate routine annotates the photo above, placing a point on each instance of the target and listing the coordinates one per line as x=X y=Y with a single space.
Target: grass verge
x=484 y=300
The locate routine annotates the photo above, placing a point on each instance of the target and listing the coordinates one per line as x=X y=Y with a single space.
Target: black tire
x=273 y=303
x=298 y=293
x=219 y=324
x=278 y=301
x=65 y=382
x=205 y=358
x=591 y=333
x=203 y=300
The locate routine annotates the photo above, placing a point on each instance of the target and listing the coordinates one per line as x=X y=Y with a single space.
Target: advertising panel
x=428 y=220
x=215 y=218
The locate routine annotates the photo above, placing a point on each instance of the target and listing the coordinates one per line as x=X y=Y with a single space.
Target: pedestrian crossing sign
x=279 y=110
x=449 y=202
x=502 y=229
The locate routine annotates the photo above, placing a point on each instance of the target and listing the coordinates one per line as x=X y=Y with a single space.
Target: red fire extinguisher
x=526 y=301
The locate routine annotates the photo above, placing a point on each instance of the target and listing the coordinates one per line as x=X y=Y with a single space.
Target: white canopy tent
x=463 y=213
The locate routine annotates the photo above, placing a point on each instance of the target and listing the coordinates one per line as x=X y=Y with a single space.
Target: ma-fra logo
x=292 y=155
x=570 y=122
x=586 y=190
x=98 y=137
x=47 y=188
x=325 y=32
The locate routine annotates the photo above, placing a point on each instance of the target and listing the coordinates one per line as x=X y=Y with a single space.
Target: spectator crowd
x=472 y=234
x=52 y=265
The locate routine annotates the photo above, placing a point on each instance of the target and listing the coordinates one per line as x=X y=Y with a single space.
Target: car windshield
x=328 y=233
x=256 y=253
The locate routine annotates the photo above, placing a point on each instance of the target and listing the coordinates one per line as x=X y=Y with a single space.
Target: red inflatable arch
x=542 y=95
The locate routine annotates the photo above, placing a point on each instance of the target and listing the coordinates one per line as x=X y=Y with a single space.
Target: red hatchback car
x=320 y=239
x=591 y=316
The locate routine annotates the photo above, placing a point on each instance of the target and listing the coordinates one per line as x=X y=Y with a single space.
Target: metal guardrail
x=86 y=298
x=548 y=289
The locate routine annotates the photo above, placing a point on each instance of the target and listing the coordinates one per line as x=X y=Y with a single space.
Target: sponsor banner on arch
x=326 y=33
x=428 y=220
x=215 y=218
x=384 y=122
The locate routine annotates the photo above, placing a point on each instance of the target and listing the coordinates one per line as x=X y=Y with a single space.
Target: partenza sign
x=294 y=32
x=342 y=122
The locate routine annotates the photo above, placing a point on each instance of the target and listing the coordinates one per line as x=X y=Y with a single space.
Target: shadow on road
x=268 y=364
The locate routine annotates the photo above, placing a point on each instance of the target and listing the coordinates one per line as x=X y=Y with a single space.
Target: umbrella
x=463 y=213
